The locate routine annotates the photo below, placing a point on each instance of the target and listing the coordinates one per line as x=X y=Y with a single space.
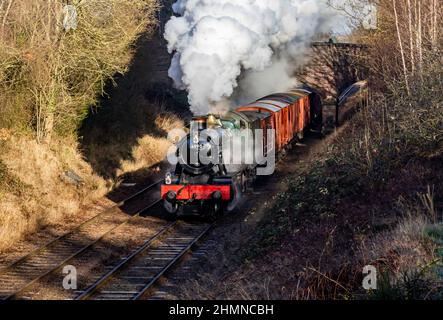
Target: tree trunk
x=411 y=38
x=49 y=127
x=400 y=43
x=434 y=24
x=420 y=42
x=49 y=21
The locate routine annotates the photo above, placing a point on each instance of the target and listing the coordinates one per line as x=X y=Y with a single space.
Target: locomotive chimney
x=199 y=123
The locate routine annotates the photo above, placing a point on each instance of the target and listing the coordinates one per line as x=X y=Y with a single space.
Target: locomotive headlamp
x=168 y=178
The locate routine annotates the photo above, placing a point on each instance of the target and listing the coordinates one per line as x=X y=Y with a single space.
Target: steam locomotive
x=206 y=180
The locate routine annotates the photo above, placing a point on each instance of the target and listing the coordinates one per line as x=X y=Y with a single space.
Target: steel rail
x=128 y=264
x=79 y=252
x=172 y=263
x=100 y=282
x=82 y=225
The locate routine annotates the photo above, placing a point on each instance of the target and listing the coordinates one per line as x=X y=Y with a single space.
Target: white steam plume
x=217 y=41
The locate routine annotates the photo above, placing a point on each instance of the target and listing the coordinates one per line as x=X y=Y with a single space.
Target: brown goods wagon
x=277 y=119
x=290 y=114
x=298 y=111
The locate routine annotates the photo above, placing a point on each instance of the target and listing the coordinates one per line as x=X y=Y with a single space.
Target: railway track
x=136 y=275
x=23 y=273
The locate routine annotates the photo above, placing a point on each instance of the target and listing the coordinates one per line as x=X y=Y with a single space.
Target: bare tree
x=400 y=43
x=411 y=37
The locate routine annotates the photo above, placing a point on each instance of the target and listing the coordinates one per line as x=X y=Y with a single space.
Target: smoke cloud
x=228 y=50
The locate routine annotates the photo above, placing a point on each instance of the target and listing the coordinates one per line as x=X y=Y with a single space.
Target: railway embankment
x=77 y=112
x=371 y=199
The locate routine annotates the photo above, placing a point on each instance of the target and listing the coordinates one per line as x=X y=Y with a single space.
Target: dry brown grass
x=409 y=258
x=402 y=249
x=148 y=152
x=45 y=197
x=5 y=134
x=150 y=149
